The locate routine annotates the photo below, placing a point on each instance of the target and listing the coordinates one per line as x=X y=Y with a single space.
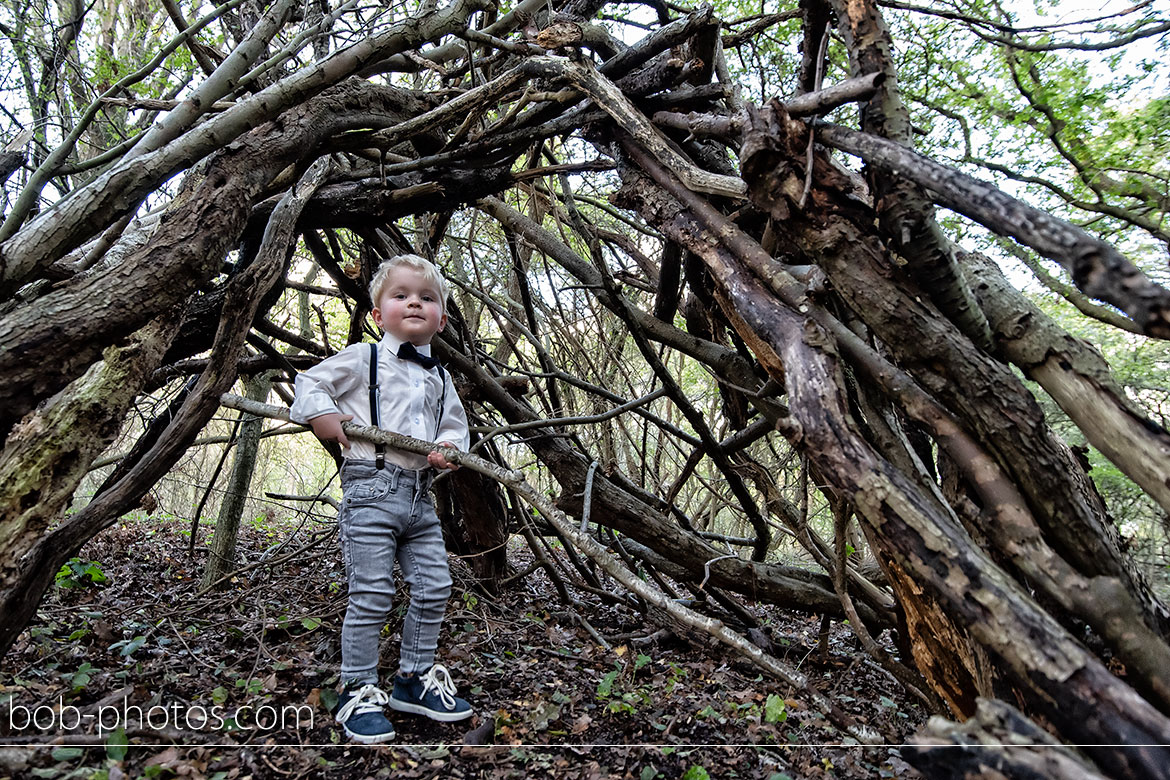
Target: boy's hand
x=327 y=427
x=437 y=460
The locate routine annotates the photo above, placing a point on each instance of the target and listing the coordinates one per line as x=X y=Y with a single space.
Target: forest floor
x=150 y=678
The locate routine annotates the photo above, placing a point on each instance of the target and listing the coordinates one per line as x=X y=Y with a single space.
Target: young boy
x=387 y=512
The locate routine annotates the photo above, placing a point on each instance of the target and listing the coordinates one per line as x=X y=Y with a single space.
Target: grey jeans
x=387 y=515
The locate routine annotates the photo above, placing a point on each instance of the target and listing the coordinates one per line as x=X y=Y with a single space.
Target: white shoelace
x=438 y=679
x=369 y=698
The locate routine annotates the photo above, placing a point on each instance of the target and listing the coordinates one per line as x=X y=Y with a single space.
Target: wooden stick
x=514 y=481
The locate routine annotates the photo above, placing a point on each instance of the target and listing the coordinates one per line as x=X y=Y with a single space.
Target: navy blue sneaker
x=359 y=711
x=431 y=694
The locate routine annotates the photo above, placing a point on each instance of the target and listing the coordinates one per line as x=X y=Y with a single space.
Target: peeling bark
x=999 y=741
x=905 y=213
x=1078 y=379
x=1096 y=268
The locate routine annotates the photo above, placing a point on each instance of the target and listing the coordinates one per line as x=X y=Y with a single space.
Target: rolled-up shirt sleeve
x=318 y=389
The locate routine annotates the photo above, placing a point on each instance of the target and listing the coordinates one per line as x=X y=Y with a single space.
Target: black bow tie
x=408 y=352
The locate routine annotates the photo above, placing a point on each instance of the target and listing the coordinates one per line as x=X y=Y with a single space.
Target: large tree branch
x=1078 y=379
x=202 y=54
x=839 y=236
x=136 y=477
x=54 y=161
x=45 y=459
x=183 y=254
x=905 y=213
x=1096 y=267
x=221 y=83
x=1102 y=601
x=122 y=188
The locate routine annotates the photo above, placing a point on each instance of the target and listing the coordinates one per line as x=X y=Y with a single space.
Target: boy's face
x=409 y=308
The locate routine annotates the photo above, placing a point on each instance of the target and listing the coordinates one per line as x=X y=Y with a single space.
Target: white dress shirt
x=409 y=399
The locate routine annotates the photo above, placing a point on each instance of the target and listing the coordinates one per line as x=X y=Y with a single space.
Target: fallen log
x=999 y=741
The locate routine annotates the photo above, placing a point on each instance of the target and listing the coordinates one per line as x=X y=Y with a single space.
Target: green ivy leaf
x=67 y=753
x=117 y=745
x=775 y=709
x=329 y=699
x=605 y=687
x=95 y=573
x=129 y=648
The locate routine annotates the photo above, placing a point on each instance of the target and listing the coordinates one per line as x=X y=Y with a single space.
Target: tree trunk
x=478 y=527
x=222 y=552
x=48 y=454
x=201 y=400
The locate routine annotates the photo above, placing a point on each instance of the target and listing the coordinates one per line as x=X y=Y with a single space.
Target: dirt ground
x=129 y=671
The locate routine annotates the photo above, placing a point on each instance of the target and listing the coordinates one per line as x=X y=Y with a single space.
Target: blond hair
x=428 y=269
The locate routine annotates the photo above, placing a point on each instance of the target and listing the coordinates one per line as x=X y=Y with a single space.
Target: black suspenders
x=375 y=396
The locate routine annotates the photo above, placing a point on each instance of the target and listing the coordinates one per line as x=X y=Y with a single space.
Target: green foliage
x=329 y=699
x=294 y=626
x=775 y=709
x=605 y=687
x=81 y=677
x=117 y=745
x=251 y=686
x=619 y=688
x=127 y=647
x=710 y=713
x=67 y=753
x=76 y=573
